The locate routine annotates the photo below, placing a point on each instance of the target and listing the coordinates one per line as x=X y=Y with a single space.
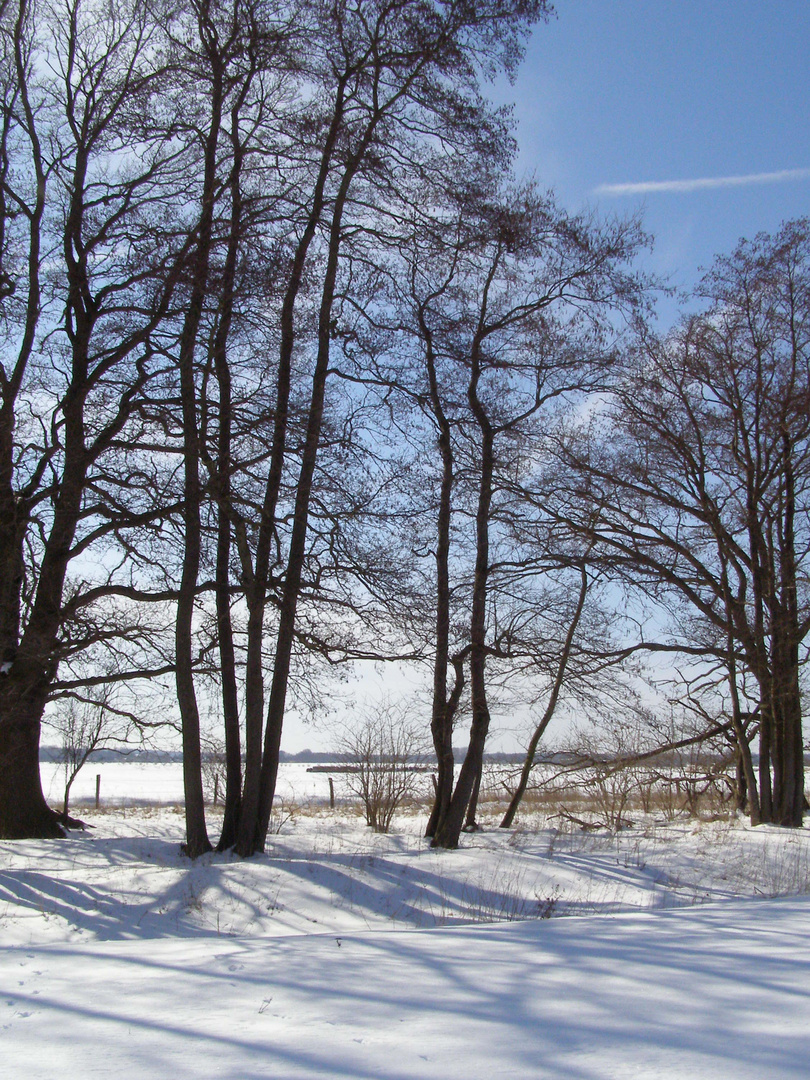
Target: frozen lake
x=126 y=783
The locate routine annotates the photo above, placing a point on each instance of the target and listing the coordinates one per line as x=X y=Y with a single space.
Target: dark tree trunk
x=747 y=790
x=765 y=785
x=443 y=709
x=24 y=688
x=470 y=821
x=256 y=591
x=254 y=833
x=297 y=553
x=222 y=485
x=788 y=802
x=786 y=686
x=24 y=812
x=227 y=656
x=197 y=842
x=448 y=833
x=443 y=743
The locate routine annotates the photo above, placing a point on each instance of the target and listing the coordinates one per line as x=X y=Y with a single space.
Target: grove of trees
x=294 y=373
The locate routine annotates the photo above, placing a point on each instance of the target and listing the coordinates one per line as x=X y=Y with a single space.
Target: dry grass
x=610 y=800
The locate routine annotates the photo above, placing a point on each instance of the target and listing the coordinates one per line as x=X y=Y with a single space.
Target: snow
x=134 y=782
x=343 y=954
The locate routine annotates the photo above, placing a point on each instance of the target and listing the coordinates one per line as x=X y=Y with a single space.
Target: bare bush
x=87 y=724
x=635 y=764
x=384 y=748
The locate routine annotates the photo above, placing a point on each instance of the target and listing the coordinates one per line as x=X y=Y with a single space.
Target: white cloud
x=680 y=187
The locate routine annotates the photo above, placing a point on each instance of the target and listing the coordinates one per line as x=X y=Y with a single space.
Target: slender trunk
x=447 y=835
x=741 y=786
x=230 y=698
x=444 y=750
x=748 y=789
x=442 y=712
x=765 y=785
x=295 y=559
x=197 y=841
x=745 y=763
x=761 y=586
x=539 y=731
x=258 y=575
x=472 y=806
x=68 y=786
x=227 y=654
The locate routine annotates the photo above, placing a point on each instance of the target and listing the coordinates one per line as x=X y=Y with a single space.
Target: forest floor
x=667 y=950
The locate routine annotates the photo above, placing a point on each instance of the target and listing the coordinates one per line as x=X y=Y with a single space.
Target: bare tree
x=513 y=310
x=403 y=69
x=384 y=748
x=85 y=725
x=79 y=353
x=701 y=467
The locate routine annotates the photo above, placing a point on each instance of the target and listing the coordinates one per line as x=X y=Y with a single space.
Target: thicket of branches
x=294 y=374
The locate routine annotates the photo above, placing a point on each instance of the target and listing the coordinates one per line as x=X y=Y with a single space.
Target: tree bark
x=197 y=842
x=443 y=708
x=449 y=831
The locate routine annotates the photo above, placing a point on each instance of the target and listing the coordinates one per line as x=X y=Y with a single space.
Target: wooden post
x=331 y=794
x=98 y=789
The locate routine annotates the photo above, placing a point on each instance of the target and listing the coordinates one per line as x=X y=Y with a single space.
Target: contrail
x=680 y=187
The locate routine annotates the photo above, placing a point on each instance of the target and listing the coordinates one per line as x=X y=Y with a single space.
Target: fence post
x=331 y=794
x=98 y=789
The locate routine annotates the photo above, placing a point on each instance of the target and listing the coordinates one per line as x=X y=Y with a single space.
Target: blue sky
x=628 y=92
x=617 y=92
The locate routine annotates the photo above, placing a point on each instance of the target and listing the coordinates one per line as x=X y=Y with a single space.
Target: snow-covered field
x=135 y=783
x=348 y=955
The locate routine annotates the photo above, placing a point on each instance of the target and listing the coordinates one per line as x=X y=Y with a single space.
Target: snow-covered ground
x=348 y=955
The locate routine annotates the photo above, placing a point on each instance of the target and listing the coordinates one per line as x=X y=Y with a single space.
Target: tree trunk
x=443 y=742
x=765 y=785
x=24 y=687
x=227 y=655
x=525 y=772
x=258 y=575
x=24 y=813
x=443 y=710
x=470 y=821
x=448 y=833
x=197 y=842
x=785 y=685
x=252 y=840
x=788 y=796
